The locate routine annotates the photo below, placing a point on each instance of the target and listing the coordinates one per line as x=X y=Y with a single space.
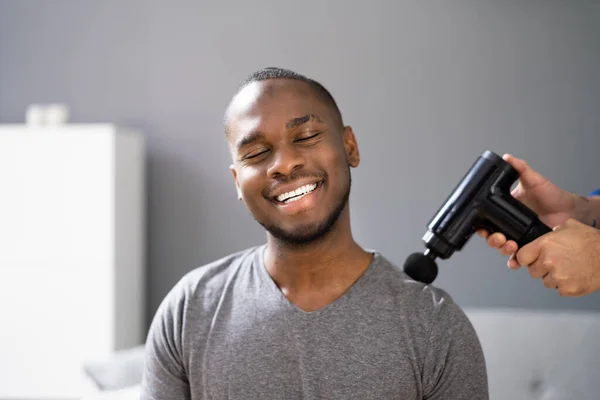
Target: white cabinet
x=72 y=253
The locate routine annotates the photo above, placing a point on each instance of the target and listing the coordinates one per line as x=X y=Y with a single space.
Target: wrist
x=594 y=214
x=586 y=209
x=594 y=209
x=595 y=200
x=595 y=245
x=580 y=208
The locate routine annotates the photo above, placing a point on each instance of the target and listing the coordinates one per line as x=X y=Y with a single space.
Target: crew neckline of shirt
x=259 y=264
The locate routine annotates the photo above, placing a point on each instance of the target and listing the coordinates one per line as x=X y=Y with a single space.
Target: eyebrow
x=249 y=138
x=302 y=120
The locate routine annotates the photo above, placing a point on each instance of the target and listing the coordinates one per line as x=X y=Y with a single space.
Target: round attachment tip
x=421 y=268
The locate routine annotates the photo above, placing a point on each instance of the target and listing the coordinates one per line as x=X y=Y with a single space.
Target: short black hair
x=282 y=73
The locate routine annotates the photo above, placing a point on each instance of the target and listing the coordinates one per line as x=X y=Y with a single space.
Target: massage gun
x=481 y=200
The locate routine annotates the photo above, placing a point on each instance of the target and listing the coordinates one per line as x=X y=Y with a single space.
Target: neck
x=335 y=260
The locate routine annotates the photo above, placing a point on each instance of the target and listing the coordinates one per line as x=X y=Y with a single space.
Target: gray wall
x=427 y=87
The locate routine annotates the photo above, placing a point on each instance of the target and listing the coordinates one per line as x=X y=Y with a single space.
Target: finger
x=512 y=262
x=527 y=175
x=509 y=248
x=570 y=290
x=520 y=165
x=529 y=253
x=549 y=281
x=496 y=240
x=537 y=270
x=483 y=233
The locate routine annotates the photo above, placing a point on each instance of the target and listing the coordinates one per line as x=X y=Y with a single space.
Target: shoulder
x=213 y=275
x=447 y=343
x=425 y=297
x=424 y=304
x=188 y=305
x=204 y=284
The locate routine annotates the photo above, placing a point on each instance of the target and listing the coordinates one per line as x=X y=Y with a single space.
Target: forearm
x=587 y=210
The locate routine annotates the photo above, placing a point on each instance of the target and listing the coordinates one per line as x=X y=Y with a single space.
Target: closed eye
x=308 y=137
x=255 y=154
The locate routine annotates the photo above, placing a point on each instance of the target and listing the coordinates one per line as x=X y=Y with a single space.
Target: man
x=310 y=314
x=567 y=259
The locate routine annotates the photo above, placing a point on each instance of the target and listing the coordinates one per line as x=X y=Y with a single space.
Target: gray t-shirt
x=225 y=331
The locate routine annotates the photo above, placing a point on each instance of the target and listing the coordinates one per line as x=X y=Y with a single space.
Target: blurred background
x=427 y=87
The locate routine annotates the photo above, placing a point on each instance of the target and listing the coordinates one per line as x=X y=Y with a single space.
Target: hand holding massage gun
x=481 y=200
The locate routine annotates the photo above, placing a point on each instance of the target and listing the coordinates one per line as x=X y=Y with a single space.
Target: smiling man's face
x=291 y=159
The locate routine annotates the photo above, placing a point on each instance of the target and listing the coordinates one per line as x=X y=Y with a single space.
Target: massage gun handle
x=537 y=229
x=519 y=216
x=507 y=215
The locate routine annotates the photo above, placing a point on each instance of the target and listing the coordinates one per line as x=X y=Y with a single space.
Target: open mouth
x=295 y=195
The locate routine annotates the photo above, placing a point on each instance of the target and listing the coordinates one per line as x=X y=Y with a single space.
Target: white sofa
x=530 y=355
x=541 y=355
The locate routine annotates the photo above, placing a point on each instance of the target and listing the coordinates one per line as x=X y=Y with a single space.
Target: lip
x=307 y=202
x=293 y=186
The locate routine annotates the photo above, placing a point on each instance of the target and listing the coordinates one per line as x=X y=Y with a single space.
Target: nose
x=286 y=160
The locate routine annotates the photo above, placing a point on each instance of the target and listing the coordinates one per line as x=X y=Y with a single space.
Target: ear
x=235 y=179
x=351 y=146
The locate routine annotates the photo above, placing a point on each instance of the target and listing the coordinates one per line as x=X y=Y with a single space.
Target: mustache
x=294 y=176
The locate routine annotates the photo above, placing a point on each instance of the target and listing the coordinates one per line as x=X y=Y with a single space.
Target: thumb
x=527 y=176
x=527 y=254
x=569 y=223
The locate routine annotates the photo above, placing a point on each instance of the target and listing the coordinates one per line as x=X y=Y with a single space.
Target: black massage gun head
x=421 y=267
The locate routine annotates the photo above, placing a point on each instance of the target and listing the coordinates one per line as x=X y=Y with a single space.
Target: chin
x=303 y=233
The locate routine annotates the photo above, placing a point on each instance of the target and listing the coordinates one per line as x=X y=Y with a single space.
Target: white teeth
x=296 y=194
